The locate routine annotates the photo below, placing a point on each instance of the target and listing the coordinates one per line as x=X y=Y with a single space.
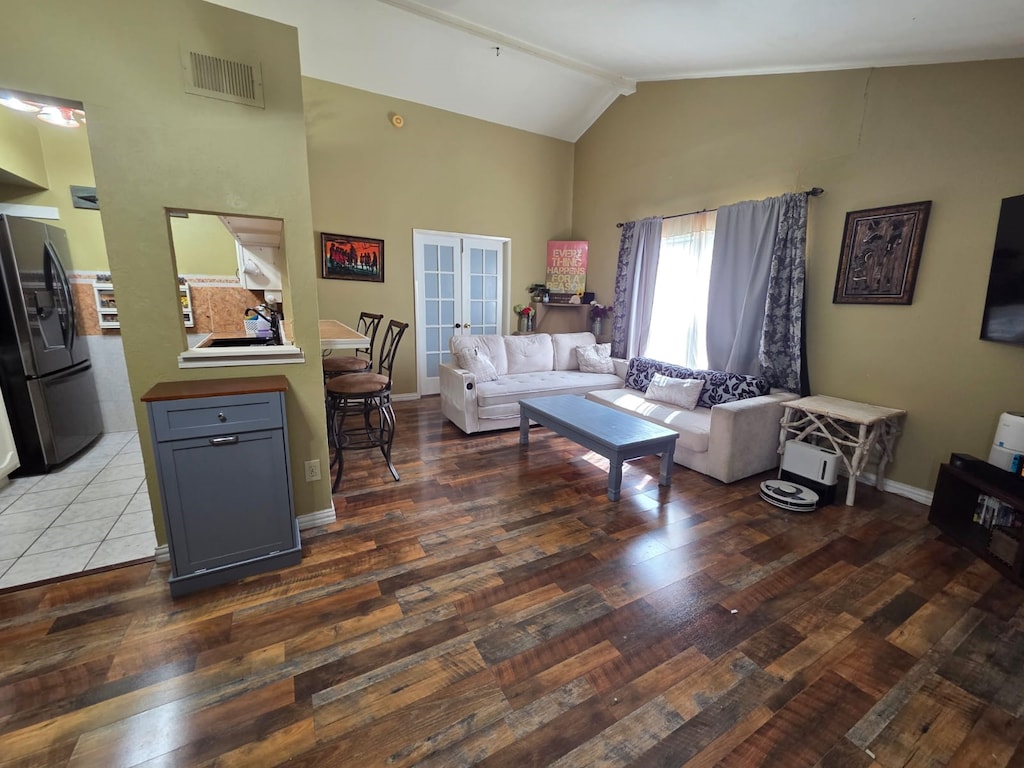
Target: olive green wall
x=440 y=171
x=21 y=151
x=154 y=146
x=203 y=245
x=66 y=155
x=951 y=134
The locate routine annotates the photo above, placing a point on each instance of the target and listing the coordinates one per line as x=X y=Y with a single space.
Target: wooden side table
x=853 y=429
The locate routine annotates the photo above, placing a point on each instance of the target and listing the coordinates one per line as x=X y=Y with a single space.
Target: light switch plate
x=312 y=470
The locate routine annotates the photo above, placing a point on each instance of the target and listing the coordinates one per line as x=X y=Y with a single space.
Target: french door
x=460 y=288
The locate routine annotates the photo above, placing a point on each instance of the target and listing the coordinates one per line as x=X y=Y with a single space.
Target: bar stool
x=367 y=398
x=362 y=360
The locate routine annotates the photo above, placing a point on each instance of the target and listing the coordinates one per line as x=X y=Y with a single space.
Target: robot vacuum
x=790 y=496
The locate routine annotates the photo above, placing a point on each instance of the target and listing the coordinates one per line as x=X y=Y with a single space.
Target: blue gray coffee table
x=615 y=435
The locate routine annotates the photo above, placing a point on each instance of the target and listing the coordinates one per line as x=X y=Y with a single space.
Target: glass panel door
x=459 y=289
x=485 y=283
x=437 y=261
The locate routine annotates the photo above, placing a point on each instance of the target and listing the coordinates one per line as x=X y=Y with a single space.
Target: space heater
x=813 y=467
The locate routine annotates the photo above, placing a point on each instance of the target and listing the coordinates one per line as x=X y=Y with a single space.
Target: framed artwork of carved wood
x=881 y=253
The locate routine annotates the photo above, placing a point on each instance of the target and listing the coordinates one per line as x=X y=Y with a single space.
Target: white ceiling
x=553 y=66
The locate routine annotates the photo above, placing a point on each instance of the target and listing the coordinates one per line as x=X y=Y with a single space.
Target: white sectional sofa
x=527 y=366
x=732 y=433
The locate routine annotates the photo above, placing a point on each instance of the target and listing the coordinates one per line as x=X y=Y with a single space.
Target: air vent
x=219 y=78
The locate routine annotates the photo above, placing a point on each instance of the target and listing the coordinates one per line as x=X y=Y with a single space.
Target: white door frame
x=431 y=385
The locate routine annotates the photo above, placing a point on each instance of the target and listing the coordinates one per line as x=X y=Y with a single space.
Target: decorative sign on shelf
x=567 y=266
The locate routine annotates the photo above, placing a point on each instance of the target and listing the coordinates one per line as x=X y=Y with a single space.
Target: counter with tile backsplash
x=218 y=304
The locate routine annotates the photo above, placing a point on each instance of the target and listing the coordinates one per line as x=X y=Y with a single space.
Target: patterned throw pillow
x=719 y=387
x=477 y=363
x=595 y=358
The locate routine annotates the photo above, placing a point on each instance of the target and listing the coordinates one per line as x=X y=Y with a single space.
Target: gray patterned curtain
x=637 y=268
x=755 y=300
x=781 y=350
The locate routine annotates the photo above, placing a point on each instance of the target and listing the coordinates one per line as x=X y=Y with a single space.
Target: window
x=678 y=330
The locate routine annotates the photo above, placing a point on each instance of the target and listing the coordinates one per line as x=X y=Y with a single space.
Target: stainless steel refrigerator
x=45 y=373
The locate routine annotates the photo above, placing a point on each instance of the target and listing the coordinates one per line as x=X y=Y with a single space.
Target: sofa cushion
x=565 y=348
x=694 y=427
x=492 y=344
x=719 y=387
x=475 y=360
x=679 y=392
x=596 y=358
x=514 y=387
x=529 y=354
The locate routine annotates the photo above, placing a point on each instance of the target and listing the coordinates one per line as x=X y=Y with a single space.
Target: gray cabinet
x=222 y=461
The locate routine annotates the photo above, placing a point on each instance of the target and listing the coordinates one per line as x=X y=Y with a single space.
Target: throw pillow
x=719 y=387
x=681 y=392
x=477 y=363
x=595 y=358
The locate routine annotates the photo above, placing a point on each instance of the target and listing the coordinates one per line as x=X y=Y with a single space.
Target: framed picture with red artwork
x=347 y=257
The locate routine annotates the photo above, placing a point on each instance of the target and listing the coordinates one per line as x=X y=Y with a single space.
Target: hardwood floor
x=494 y=608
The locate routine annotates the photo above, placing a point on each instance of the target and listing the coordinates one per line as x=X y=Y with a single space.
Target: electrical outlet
x=312 y=470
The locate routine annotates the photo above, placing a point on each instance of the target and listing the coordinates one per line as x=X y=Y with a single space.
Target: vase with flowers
x=598 y=312
x=525 y=314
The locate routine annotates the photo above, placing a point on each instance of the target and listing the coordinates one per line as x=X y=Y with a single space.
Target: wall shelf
x=560 y=318
x=106 y=303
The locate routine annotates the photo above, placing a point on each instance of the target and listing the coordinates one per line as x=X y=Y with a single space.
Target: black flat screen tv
x=1004 y=303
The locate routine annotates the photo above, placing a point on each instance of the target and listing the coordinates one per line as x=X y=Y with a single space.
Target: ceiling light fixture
x=62 y=116
x=13 y=102
x=62 y=112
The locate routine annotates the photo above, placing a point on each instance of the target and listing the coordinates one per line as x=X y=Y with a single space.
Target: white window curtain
x=678 y=327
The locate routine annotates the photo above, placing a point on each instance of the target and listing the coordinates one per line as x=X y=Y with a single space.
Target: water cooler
x=1008 y=444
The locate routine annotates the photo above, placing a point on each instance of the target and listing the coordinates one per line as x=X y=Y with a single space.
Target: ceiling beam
x=622 y=85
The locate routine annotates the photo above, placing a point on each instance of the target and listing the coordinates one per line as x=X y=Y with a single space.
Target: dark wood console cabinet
x=225 y=483
x=959 y=510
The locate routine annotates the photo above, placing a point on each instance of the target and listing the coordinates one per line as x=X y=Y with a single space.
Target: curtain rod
x=813 y=192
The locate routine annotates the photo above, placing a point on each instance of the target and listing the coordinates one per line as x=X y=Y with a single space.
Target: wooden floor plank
x=495 y=608
x=704 y=735
x=933 y=724
x=992 y=740
x=806 y=728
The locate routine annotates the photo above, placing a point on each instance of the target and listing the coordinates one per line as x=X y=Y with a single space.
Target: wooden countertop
x=334 y=334
x=182 y=390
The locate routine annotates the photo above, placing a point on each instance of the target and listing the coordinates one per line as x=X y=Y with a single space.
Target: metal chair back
x=389 y=348
x=368 y=325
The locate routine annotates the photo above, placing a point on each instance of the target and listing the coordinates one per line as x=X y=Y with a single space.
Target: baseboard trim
x=316 y=519
x=911 y=492
x=406 y=396
x=162 y=554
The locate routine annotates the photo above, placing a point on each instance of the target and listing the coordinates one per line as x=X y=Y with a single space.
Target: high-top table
x=846 y=425
x=334 y=334
x=615 y=435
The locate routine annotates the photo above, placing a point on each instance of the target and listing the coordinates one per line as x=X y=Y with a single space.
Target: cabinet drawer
x=199 y=417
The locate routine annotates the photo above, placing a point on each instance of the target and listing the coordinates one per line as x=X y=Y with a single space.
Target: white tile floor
x=93 y=511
